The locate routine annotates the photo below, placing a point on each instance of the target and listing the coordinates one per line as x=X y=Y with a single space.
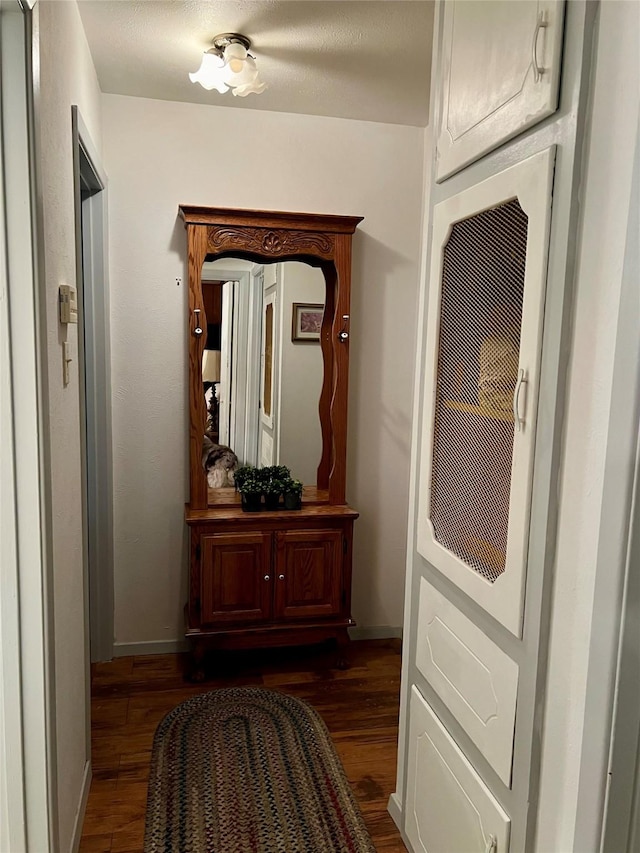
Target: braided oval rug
x=249 y=770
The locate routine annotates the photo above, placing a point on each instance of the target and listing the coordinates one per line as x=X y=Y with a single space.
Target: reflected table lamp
x=211 y=365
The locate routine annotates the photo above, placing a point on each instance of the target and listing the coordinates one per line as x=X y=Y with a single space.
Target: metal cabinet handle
x=538 y=70
x=266 y=577
x=280 y=577
x=343 y=335
x=517 y=418
x=492 y=845
x=198 y=330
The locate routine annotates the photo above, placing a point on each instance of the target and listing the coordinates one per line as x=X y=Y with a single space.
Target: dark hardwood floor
x=131 y=695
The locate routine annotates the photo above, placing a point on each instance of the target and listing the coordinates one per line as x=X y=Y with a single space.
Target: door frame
x=28 y=771
x=610 y=767
x=94 y=353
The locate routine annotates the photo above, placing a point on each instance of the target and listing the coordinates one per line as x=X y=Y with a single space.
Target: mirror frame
x=267 y=236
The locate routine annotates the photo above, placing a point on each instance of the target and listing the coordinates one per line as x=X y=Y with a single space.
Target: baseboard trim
x=167 y=647
x=394 y=807
x=150 y=647
x=379 y=632
x=82 y=806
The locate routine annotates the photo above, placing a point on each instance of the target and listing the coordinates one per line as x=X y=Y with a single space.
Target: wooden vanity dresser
x=283 y=577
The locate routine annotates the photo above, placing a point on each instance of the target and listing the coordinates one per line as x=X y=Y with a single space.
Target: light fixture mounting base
x=225 y=39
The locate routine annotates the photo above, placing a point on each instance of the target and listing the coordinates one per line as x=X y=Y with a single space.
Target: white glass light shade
x=234 y=70
x=209 y=75
x=239 y=68
x=235 y=56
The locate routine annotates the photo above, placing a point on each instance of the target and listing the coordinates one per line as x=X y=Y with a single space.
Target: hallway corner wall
x=605 y=204
x=67 y=76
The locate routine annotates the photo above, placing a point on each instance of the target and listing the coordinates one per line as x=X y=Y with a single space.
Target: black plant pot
x=271 y=501
x=251 y=501
x=292 y=501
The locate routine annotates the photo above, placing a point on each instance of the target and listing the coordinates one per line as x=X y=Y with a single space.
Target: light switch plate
x=68 y=298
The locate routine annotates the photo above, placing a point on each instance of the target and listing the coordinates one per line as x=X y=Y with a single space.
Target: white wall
x=606 y=198
x=301 y=372
x=67 y=77
x=159 y=154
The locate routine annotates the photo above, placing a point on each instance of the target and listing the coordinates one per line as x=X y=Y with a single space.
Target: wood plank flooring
x=131 y=695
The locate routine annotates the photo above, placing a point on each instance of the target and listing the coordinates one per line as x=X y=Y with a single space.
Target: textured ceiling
x=360 y=59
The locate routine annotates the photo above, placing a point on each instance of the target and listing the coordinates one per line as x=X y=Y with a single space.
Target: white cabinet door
x=475 y=679
x=500 y=74
x=449 y=808
x=486 y=304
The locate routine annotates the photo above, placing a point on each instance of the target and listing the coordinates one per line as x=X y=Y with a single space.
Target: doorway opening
x=95 y=390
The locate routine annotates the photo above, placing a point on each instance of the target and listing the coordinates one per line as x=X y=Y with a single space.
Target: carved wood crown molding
x=272 y=242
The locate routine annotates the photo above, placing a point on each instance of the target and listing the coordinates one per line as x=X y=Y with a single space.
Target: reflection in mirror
x=267 y=360
x=262 y=367
x=218 y=460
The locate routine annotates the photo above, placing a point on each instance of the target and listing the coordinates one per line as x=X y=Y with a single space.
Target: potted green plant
x=273 y=483
x=293 y=494
x=240 y=473
x=281 y=472
x=250 y=489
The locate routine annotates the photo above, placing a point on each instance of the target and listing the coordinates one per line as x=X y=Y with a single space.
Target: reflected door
x=269 y=377
x=224 y=390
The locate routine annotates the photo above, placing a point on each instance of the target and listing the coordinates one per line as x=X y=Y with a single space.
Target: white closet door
x=449 y=808
x=486 y=304
x=501 y=69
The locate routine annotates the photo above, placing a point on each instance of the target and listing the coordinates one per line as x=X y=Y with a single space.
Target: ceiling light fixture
x=229 y=65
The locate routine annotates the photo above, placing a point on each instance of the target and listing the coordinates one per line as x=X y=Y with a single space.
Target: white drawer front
x=449 y=808
x=475 y=679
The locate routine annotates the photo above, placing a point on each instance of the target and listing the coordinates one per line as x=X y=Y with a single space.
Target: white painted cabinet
x=449 y=808
x=501 y=69
x=484 y=335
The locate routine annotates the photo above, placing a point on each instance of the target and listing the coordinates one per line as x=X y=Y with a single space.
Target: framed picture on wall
x=306 y=321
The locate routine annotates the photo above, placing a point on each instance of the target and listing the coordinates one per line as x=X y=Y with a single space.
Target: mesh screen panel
x=478 y=351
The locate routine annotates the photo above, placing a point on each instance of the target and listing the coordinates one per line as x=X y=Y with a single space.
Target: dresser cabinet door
x=308 y=581
x=236 y=582
x=501 y=69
